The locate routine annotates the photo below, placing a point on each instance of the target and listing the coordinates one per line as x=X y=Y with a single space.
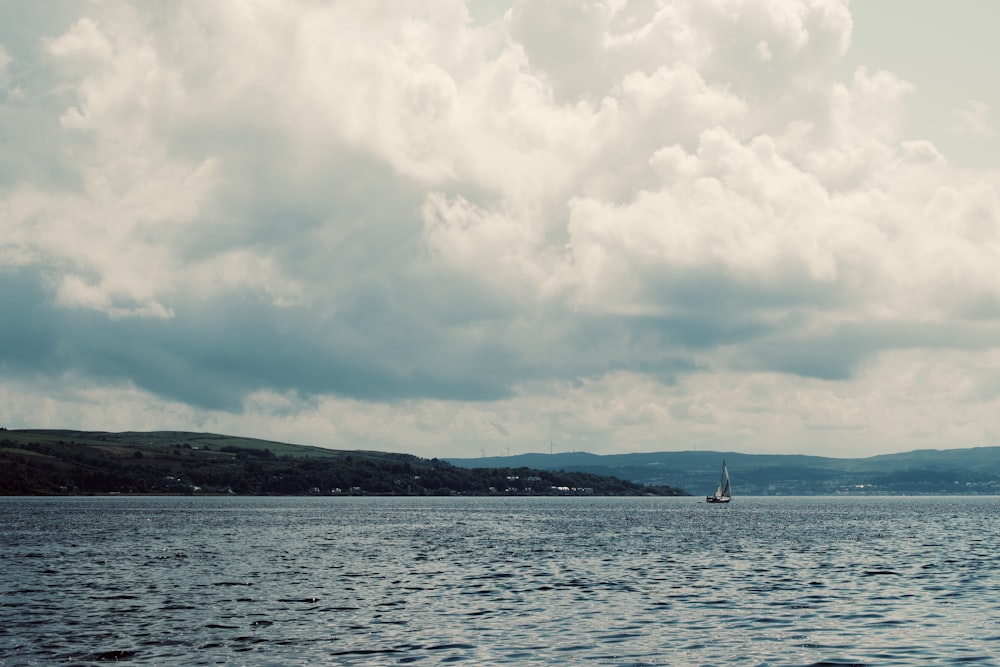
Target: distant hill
x=53 y=462
x=930 y=471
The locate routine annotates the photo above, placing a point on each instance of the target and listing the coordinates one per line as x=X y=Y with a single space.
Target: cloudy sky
x=449 y=228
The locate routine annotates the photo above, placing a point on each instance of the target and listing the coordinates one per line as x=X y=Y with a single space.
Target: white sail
x=724 y=482
x=723 y=492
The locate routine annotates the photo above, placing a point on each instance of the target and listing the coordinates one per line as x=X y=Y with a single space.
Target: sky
x=492 y=227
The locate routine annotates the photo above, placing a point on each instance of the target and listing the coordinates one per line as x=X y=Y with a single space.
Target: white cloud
x=973 y=119
x=608 y=224
x=83 y=45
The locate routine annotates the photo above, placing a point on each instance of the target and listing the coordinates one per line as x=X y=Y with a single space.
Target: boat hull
x=713 y=499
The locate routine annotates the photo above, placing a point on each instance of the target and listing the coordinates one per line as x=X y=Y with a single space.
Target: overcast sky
x=449 y=228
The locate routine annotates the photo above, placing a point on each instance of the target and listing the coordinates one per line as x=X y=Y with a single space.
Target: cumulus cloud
x=616 y=225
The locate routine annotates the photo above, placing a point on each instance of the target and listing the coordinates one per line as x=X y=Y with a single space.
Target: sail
x=722 y=491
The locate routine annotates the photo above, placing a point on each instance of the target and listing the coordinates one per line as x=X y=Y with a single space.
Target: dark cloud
x=29 y=329
x=212 y=354
x=837 y=352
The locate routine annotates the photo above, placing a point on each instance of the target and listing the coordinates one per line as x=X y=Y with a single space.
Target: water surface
x=518 y=581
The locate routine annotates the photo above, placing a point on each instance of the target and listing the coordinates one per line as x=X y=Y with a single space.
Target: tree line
x=69 y=467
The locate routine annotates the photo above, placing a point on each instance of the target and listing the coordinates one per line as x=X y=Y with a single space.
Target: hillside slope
x=953 y=471
x=47 y=462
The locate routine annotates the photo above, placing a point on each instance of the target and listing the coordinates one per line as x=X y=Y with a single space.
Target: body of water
x=499 y=581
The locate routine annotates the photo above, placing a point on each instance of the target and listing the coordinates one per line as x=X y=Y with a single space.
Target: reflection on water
x=526 y=581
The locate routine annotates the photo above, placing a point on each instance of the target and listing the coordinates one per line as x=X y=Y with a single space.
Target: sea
x=499 y=581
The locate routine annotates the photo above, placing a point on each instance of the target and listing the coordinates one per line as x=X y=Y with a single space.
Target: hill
x=954 y=471
x=50 y=462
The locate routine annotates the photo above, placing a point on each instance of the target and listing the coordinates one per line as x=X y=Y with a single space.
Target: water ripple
x=369 y=581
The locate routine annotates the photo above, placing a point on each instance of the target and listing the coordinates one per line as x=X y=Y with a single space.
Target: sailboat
x=722 y=492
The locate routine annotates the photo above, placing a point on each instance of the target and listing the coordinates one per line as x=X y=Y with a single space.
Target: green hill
x=49 y=462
